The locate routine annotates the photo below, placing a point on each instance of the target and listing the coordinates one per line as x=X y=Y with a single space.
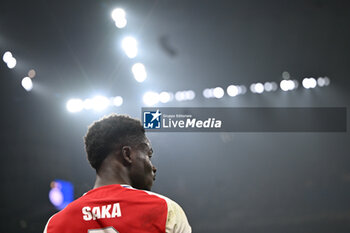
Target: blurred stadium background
x=226 y=182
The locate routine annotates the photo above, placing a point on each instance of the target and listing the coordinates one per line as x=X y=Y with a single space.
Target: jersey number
x=104 y=230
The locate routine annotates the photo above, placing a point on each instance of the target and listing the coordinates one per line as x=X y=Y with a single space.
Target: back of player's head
x=109 y=134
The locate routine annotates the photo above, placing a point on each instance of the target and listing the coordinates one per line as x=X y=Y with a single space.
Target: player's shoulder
x=172 y=206
x=165 y=198
x=147 y=196
x=176 y=217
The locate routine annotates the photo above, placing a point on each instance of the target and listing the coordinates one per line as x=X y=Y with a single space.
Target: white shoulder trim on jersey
x=176 y=221
x=45 y=230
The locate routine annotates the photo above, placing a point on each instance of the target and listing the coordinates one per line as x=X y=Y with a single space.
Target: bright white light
x=259 y=88
x=327 y=81
x=320 y=82
x=27 y=84
x=74 y=105
x=121 y=23
x=189 y=95
x=218 y=92
x=7 y=56
x=186 y=95
x=9 y=60
x=313 y=82
x=309 y=83
x=208 y=93
x=291 y=85
x=100 y=103
x=129 y=44
x=180 y=96
x=252 y=88
x=139 y=72
x=164 y=97
x=117 y=101
x=323 y=81
x=306 y=83
x=287 y=85
x=118 y=13
x=11 y=63
x=268 y=86
x=296 y=84
x=88 y=104
x=232 y=90
x=151 y=98
x=284 y=85
x=242 y=89
x=274 y=86
x=171 y=96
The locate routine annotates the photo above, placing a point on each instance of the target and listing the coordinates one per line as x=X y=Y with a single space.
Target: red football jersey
x=119 y=209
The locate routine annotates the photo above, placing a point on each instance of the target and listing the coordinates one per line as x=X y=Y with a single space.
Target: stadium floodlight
x=295 y=84
x=288 y=85
x=121 y=23
x=268 y=86
x=320 y=82
x=284 y=85
x=7 y=56
x=139 y=72
x=242 y=89
x=117 y=101
x=74 y=105
x=327 y=81
x=218 y=92
x=31 y=73
x=100 y=103
x=306 y=83
x=185 y=95
x=11 y=63
x=27 y=83
x=259 y=88
x=252 y=88
x=165 y=97
x=309 y=83
x=291 y=84
x=232 y=90
x=151 y=98
x=208 y=93
x=88 y=104
x=313 y=82
x=129 y=45
x=180 y=96
x=274 y=86
x=117 y=14
x=190 y=95
x=285 y=75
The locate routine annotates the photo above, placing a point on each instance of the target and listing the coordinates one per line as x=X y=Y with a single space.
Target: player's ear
x=126 y=154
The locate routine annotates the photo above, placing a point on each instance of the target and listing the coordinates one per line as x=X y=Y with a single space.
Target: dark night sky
x=226 y=182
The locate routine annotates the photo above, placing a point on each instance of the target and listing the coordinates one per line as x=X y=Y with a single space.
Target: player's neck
x=112 y=172
x=102 y=181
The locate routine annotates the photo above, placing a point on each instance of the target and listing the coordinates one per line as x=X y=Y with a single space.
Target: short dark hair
x=110 y=133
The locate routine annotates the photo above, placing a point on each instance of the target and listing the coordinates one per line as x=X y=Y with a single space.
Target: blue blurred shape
x=61 y=193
